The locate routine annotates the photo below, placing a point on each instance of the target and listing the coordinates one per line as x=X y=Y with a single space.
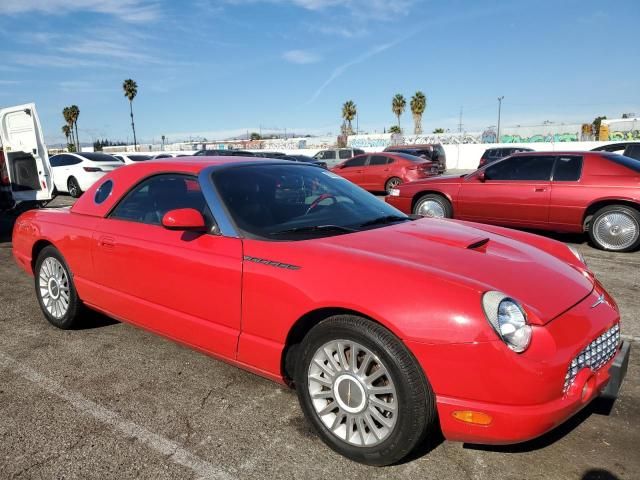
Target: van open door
x=27 y=167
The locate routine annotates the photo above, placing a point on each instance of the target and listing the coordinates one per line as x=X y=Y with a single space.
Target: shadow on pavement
x=599 y=474
x=92 y=319
x=599 y=406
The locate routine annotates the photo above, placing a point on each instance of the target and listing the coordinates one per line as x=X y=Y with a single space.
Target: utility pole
x=499 y=112
x=460 y=122
x=357 y=123
x=459 y=139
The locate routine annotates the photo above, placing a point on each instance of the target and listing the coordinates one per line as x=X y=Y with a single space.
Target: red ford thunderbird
x=592 y=192
x=388 y=327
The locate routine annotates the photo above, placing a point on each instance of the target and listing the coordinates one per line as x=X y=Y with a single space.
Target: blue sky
x=216 y=68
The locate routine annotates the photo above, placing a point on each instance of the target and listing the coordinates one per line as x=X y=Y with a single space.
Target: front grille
x=594 y=355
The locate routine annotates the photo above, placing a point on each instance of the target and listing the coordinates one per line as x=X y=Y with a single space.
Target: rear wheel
x=393 y=182
x=615 y=228
x=433 y=206
x=55 y=290
x=363 y=391
x=73 y=187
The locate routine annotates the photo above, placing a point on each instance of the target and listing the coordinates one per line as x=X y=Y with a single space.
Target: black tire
x=599 y=237
x=70 y=317
x=392 y=183
x=73 y=187
x=416 y=412
x=439 y=199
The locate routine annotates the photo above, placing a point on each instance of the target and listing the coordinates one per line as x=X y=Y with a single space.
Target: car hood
x=545 y=284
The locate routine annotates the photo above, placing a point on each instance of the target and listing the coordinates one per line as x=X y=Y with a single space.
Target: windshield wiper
x=316 y=228
x=384 y=220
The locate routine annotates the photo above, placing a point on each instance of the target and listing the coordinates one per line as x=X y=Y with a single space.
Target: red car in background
x=268 y=265
x=592 y=192
x=379 y=172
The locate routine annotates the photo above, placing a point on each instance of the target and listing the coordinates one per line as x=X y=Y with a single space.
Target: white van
x=25 y=172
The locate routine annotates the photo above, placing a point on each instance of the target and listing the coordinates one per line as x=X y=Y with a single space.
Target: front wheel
x=55 y=290
x=615 y=228
x=363 y=391
x=433 y=206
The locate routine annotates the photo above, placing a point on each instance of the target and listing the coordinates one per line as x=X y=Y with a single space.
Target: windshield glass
x=139 y=158
x=297 y=202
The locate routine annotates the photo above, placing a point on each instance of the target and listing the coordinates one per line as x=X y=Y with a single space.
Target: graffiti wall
x=546 y=133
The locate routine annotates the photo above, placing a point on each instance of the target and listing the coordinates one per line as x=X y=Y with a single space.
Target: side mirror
x=482 y=177
x=183 y=219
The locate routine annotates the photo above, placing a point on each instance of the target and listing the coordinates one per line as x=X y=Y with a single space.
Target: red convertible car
x=594 y=192
x=388 y=327
x=380 y=172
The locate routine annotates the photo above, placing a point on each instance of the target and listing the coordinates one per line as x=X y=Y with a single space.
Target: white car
x=25 y=173
x=128 y=159
x=76 y=172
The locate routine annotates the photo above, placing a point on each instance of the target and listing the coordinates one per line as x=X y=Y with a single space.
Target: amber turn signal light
x=469 y=416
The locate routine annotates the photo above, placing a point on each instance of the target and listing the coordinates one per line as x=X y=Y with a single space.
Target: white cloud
x=107 y=49
x=139 y=11
x=301 y=57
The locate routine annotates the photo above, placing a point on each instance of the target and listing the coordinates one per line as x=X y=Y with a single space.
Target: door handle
x=540 y=189
x=107 y=242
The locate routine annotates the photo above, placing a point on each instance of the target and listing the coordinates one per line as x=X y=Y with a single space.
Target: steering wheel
x=317 y=201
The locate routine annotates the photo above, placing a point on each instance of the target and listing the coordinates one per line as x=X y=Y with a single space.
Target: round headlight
x=508 y=319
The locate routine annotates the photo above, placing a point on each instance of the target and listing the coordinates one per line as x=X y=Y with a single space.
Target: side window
x=356 y=161
x=357 y=151
x=567 y=169
x=378 y=160
x=151 y=199
x=329 y=155
x=71 y=160
x=54 y=161
x=344 y=154
x=534 y=168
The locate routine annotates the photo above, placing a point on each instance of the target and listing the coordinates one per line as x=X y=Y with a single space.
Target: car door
x=25 y=152
x=514 y=191
x=568 y=195
x=353 y=169
x=375 y=172
x=185 y=285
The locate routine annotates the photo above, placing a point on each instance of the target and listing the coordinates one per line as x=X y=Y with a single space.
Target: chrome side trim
x=211 y=195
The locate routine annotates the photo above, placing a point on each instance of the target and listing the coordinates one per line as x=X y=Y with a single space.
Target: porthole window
x=103 y=192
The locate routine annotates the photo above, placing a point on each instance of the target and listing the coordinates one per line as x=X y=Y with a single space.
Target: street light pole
x=499 y=112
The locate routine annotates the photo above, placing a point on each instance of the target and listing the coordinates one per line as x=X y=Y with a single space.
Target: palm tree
x=418 y=106
x=130 y=88
x=349 y=112
x=397 y=106
x=75 y=113
x=67 y=133
x=394 y=129
x=68 y=117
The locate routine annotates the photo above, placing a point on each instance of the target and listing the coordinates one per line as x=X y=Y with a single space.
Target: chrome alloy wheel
x=54 y=287
x=616 y=230
x=353 y=393
x=431 y=209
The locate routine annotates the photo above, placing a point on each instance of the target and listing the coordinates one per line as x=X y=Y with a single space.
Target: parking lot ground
x=112 y=401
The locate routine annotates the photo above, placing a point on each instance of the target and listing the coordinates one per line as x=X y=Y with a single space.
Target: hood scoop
x=479 y=245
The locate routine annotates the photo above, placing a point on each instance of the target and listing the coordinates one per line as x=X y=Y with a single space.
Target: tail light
x=483 y=162
x=4 y=173
x=92 y=169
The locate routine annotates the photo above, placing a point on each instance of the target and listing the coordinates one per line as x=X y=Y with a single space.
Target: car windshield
x=98 y=157
x=298 y=202
x=139 y=158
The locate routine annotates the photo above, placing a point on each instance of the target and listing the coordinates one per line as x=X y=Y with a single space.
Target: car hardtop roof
x=557 y=152
x=197 y=164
